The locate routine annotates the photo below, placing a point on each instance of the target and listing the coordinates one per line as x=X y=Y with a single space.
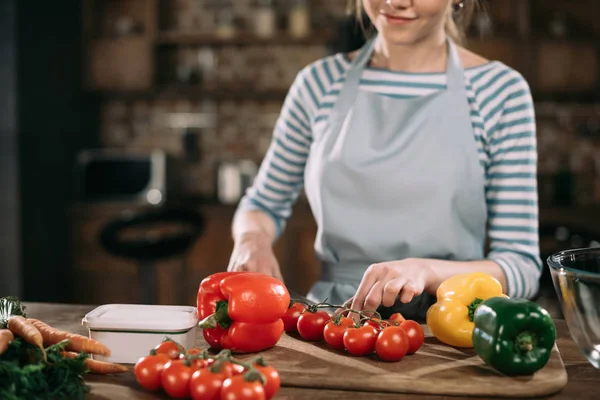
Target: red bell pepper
x=242 y=311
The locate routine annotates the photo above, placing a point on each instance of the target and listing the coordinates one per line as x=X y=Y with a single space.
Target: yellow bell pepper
x=450 y=319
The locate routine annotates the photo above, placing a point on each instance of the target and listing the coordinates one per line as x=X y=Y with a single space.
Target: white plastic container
x=130 y=331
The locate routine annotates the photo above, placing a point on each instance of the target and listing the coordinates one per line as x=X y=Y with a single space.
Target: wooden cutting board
x=435 y=369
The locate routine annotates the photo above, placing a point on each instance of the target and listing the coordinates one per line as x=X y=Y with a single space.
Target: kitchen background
x=129 y=129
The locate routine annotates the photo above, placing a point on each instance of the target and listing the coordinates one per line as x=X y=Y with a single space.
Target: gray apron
x=388 y=179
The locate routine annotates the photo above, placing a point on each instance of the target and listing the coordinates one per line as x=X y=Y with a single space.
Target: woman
x=411 y=150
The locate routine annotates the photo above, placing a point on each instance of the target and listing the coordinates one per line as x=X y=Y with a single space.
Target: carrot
x=78 y=343
x=24 y=329
x=6 y=336
x=98 y=367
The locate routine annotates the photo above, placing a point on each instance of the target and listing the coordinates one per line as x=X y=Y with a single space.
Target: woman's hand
x=253 y=252
x=383 y=283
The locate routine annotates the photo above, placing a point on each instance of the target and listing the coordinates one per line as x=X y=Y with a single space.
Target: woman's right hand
x=253 y=252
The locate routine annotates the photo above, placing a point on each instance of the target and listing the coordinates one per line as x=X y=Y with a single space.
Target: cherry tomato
x=190 y=352
x=377 y=323
x=176 y=379
x=396 y=318
x=232 y=369
x=273 y=380
x=391 y=344
x=311 y=325
x=334 y=333
x=206 y=385
x=360 y=341
x=415 y=333
x=170 y=348
x=290 y=318
x=148 y=371
x=237 y=388
x=201 y=363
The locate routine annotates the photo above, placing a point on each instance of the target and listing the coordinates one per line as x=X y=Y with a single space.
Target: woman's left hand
x=384 y=282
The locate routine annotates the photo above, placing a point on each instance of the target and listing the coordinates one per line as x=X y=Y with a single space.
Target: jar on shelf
x=265 y=19
x=299 y=19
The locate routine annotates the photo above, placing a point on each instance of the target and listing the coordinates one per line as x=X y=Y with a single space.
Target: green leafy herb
x=10 y=306
x=25 y=375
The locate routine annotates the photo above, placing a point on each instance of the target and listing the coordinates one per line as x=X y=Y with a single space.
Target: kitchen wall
x=10 y=274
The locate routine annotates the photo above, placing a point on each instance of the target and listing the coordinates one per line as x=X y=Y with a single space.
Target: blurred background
x=129 y=129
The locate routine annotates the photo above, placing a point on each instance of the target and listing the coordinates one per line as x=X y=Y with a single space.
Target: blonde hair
x=456 y=24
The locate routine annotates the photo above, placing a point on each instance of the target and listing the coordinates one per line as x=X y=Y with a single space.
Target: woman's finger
x=391 y=290
x=373 y=299
x=369 y=278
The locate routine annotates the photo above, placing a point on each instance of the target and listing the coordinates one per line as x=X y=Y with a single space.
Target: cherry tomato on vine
x=377 y=323
x=311 y=325
x=206 y=385
x=396 y=318
x=290 y=318
x=360 y=341
x=334 y=333
x=273 y=380
x=170 y=348
x=415 y=333
x=148 y=371
x=200 y=363
x=391 y=344
x=238 y=388
x=176 y=379
x=190 y=352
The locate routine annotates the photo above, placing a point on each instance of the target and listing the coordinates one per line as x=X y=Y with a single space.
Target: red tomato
x=415 y=333
x=334 y=333
x=311 y=325
x=377 y=323
x=360 y=341
x=176 y=379
x=290 y=318
x=396 y=318
x=170 y=348
x=237 y=388
x=391 y=344
x=200 y=363
x=232 y=369
x=272 y=377
x=206 y=385
x=148 y=371
x=190 y=352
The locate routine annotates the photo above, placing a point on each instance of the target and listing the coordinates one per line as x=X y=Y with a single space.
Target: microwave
x=108 y=175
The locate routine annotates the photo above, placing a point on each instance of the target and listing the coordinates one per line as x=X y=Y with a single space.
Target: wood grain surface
x=311 y=371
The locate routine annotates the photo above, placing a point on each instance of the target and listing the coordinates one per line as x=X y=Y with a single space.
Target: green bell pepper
x=514 y=336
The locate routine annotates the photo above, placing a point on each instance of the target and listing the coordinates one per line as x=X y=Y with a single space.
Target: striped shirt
x=503 y=121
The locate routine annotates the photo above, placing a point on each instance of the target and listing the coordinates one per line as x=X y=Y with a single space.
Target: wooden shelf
x=196 y=92
x=242 y=38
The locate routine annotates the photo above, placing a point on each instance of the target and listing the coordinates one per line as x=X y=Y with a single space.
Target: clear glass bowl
x=576 y=277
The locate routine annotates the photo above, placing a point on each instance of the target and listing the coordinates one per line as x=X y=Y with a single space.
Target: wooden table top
x=583 y=383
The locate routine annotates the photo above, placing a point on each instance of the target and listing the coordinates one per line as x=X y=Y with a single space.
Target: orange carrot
x=24 y=329
x=6 y=336
x=78 y=343
x=98 y=367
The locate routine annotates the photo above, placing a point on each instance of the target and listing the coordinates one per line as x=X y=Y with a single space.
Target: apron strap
x=347 y=96
x=454 y=76
x=454 y=70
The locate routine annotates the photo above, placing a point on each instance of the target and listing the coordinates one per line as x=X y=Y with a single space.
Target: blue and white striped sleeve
x=281 y=174
x=511 y=193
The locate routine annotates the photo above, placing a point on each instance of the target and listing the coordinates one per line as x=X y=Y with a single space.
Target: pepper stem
x=473 y=306
x=220 y=317
x=524 y=342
